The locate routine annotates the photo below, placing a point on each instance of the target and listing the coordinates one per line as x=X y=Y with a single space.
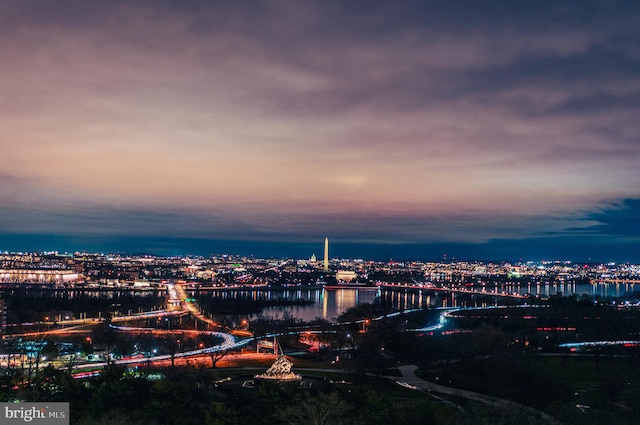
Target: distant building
x=346 y=276
x=38 y=276
x=207 y=274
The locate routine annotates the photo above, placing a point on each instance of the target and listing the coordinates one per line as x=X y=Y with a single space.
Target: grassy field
x=575 y=390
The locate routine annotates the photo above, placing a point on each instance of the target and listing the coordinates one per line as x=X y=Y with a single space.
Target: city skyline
x=398 y=130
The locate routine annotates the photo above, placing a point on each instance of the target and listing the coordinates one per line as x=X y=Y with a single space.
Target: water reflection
x=318 y=302
x=547 y=289
x=70 y=294
x=323 y=303
x=331 y=303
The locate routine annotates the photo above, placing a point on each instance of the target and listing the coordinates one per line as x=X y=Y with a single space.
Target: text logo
x=35 y=413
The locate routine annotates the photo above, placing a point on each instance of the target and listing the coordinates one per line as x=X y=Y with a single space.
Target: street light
x=365 y=323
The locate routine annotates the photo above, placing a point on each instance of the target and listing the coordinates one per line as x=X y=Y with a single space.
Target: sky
x=404 y=129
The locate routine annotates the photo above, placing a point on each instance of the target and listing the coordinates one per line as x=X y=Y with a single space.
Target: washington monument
x=326 y=254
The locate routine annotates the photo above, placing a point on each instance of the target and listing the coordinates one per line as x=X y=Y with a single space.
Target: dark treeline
x=558 y=320
x=191 y=396
x=26 y=305
x=514 y=353
x=243 y=305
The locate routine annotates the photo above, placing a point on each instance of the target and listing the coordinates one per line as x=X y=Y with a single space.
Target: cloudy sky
x=476 y=129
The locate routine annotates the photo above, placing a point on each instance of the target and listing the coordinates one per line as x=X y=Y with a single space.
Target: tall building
x=326 y=254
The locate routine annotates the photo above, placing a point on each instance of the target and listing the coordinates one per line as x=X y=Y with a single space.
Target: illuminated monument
x=326 y=254
x=280 y=370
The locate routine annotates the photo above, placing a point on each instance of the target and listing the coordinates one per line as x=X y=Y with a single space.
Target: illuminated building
x=346 y=275
x=38 y=276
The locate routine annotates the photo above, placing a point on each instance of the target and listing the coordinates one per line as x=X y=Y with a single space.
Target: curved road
x=410 y=378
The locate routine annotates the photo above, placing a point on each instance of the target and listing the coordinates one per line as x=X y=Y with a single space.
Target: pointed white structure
x=326 y=254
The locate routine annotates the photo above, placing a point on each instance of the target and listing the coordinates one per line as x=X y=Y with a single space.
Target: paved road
x=409 y=377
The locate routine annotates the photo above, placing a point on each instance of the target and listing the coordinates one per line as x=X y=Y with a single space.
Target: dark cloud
x=620 y=219
x=426 y=124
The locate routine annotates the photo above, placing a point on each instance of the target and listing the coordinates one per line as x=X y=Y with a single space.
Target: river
x=330 y=303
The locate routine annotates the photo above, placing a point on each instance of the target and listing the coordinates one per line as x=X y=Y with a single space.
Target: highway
x=191 y=306
x=178 y=304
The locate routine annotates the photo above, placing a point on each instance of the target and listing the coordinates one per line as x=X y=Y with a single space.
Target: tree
x=173 y=344
x=50 y=351
x=211 y=341
x=217 y=355
x=325 y=409
x=220 y=414
x=112 y=418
